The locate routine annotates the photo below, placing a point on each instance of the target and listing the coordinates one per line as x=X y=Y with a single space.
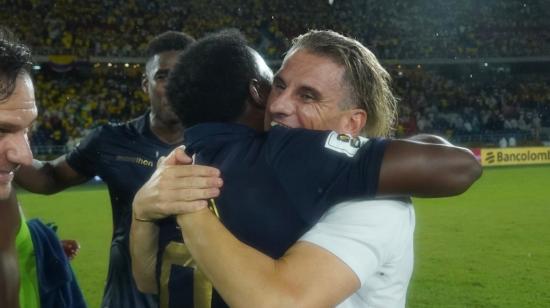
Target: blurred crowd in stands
x=72 y=103
x=399 y=29
x=499 y=104
x=460 y=106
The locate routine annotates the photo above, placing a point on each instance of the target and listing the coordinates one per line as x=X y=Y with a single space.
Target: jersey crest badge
x=343 y=143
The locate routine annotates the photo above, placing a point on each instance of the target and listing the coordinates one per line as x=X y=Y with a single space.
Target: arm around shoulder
x=423 y=169
x=48 y=177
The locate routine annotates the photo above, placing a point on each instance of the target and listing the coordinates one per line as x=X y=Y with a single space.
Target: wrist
x=141 y=216
x=191 y=217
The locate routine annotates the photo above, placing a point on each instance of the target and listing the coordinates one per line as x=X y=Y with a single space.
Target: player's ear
x=255 y=94
x=353 y=122
x=145 y=84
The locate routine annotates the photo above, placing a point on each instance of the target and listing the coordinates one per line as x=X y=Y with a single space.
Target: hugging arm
x=426 y=166
x=306 y=276
x=161 y=196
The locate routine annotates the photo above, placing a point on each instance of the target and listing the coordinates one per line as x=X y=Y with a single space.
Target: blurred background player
x=124 y=156
x=34 y=271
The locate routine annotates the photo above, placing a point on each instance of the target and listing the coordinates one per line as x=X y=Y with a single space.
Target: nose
x=18 y=149
x=280 y=104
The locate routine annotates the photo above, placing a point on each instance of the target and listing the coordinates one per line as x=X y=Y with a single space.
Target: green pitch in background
x=489 y=247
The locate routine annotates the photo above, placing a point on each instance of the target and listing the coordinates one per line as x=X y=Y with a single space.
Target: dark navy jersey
x=124 y=156
x=276 y=186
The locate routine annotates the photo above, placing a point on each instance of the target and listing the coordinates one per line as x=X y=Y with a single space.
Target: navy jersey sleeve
x=84 y=158
x=320 y=169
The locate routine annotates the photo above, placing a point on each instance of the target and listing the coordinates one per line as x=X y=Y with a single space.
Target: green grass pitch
x=489 y=247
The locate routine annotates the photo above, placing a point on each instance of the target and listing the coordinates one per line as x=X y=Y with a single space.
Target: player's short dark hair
x=15 y=59
x=168 y=41
x=210 y=81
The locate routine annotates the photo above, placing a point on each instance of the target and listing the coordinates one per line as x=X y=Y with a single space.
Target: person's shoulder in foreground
x=20 y=243
x=17 y=112
x=375 y=240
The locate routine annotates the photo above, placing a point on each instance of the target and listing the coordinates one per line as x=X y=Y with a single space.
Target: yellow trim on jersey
x=177 y=253
x=213 y=208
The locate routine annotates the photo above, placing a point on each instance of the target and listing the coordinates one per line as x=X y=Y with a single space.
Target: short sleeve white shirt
x=375 y=239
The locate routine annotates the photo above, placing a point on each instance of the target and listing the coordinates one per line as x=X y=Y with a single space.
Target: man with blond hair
x=360 y=251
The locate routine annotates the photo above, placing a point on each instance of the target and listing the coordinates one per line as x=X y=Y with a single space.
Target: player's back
x=276 y=186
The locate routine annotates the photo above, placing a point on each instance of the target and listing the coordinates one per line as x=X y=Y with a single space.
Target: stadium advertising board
x=515 y=156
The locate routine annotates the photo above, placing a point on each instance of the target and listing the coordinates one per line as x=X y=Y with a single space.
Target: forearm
x=242 y=275
x=159 y=198
x=48 y=177
x=466 y=168
x=38 y=178
x=143 y=250
x=448 y=177
x=426 y=170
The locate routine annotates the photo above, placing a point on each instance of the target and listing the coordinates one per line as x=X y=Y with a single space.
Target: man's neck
x=171 y=133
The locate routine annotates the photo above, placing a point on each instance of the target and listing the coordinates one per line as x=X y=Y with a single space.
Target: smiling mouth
x=273 y=124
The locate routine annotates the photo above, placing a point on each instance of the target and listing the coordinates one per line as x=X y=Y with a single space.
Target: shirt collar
x=143 y=127
x=201 y=135
x=142 y=124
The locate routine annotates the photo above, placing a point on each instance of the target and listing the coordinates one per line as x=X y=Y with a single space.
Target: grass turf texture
x=489 y=247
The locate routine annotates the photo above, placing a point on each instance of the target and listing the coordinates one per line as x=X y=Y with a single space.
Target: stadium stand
x=469 y=70
x=394 y=29
x=71 y=103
